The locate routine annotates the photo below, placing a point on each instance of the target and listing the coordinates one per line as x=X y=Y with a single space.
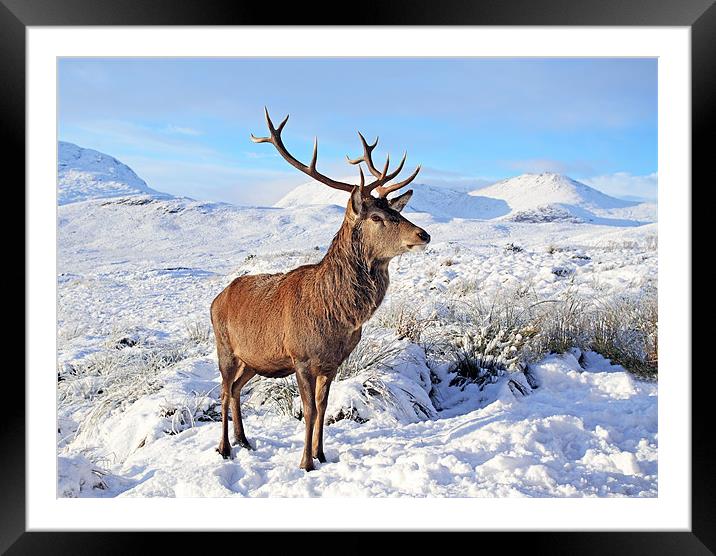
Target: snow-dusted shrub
x=559 y=324
x=384 y=378
x=406 y=320
x=484 y=354
x=625 y=330
x=111 y=380
x=370 y=354
x=69 y=332
x=198 y=332
x=279 y=395
x=182 y=414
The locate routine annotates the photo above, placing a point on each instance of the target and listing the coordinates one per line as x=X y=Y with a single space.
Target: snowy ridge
x=440 y=202
x=84 y=174
x=529 y=198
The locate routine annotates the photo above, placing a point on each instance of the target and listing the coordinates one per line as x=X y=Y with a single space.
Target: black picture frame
x=699 y=15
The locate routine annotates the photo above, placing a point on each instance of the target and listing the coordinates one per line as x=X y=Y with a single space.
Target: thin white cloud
x=626 y=185
x=255 y=155
x=452 y=180
x=215 y=181
x=125 y=134
x=539 y=165
x=182 y=130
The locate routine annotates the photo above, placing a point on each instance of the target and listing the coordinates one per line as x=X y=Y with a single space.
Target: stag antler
x=275 y=140
x=381 y=177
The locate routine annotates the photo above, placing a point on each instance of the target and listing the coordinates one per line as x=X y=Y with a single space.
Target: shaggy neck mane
x=350 y=283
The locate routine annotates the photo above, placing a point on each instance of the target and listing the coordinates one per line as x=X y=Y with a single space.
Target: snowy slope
x=552 y=197
x=440 y=202
x=101 y=232
x=88 y=174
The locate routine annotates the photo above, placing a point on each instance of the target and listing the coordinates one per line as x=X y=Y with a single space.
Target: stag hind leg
x=244 y=375
x=307 y=387
x=229 y=367
x=323 y=387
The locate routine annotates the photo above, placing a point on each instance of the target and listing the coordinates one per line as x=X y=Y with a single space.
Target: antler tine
x=379 y=184
x=398 y=169
x=277 y=142
x=383 y=191
x=384 y=173
x=272 y=130
x=314 y=158
x=367 y=156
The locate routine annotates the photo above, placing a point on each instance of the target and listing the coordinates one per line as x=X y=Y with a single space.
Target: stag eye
x=376 y=218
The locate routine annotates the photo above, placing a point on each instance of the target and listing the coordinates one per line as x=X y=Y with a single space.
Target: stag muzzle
x=422 y=238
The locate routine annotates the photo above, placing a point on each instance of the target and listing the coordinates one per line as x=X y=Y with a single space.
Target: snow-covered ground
x=138 y=382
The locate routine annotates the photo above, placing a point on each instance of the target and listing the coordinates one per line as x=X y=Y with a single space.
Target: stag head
x=384 y=231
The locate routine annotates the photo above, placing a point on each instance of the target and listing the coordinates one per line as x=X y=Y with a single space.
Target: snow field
x=138 y=382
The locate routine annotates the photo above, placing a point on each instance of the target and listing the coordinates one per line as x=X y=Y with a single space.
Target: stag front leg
x=307 y=387
x=323 y=386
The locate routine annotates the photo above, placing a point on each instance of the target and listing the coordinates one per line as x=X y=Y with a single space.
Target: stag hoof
x=244 y=443
x=224 y=450
x=320 y=457
x=307 y=465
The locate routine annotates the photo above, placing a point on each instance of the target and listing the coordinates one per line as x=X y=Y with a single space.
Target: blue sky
x=183 y=124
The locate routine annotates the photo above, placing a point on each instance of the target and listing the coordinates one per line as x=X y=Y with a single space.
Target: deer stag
x=309 y=320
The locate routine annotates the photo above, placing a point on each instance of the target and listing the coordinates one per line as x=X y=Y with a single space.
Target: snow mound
x=84 y=174
x=77 y=477
x=531 y=190
x=550 y=197
x=440 y=202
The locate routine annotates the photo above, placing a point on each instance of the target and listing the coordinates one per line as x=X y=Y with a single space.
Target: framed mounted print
x=268 y=323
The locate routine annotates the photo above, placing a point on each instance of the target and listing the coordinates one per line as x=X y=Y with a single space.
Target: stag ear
x=398 y=203
x=355 y=204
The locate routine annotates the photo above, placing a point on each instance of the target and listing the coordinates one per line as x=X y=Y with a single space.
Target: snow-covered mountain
x=530 y=190
x=550 y=197
x=84 y=174
x=440 y=202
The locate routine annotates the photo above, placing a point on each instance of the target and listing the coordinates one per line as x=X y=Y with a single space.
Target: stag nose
x=423 y=235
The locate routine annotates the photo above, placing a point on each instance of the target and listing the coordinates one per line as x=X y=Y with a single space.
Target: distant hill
x=84 y=174
x=550 y=197
x=440 y=202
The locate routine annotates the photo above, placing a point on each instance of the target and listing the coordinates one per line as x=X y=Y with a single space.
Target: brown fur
x=309 y=320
